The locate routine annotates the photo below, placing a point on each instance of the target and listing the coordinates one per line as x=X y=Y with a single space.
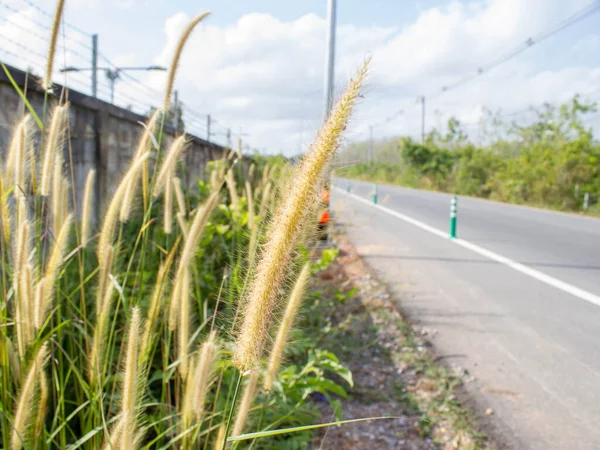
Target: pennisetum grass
x=286 y=228
x=171 y=379
x=285 y=326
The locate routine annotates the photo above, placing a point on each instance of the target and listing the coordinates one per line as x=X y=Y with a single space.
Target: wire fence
x=24 y=32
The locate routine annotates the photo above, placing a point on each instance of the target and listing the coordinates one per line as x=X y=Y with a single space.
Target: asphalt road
x=530 y=351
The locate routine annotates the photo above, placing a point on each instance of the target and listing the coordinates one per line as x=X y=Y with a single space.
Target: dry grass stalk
x=54 y=143
x=194 y=234
x=47 y=83
x=130 y=387
x=86 y=216
x=110 y=219
x=198 y=384
x=168 y=204
x=144 y=146
x=178 y=50
x=53 y=266
x=246 y=403
x=185 y=323
x=232 y=187
x=167 y=169
x=179 y=196
x=283 y=235
x=287 y=322
x=26 y=401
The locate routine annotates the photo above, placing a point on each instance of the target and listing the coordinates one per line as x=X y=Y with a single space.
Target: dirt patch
x=394 y=371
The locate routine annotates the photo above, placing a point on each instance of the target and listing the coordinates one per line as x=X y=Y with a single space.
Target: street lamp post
x=112 y=74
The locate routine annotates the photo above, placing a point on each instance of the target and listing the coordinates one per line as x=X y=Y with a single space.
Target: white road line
x=533 y=273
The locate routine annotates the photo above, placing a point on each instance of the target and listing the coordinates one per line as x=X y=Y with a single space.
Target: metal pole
x=112 y=91
x=422 y=119
x=375 y=195
x=94 y=65
x=208 y=128
x=330 y=58
x=228 y=137
x=453 y=217
x=370 y=154
x=586 y=201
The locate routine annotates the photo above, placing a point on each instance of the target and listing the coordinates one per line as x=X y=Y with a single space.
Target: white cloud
x=265 y=75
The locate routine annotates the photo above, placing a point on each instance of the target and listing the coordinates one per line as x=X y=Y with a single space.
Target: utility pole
x=228 y=137
x=422 y=100
x=370 y=154
x=94 y=65
x=329 y=72
x=176 y=109
x=113 y=74
x=208 y=128
x=330 y=58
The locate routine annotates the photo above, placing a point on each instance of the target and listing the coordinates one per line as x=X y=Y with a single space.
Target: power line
x=46 y=13
x=530 y=42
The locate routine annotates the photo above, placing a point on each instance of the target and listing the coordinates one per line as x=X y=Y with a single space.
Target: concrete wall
x=102 y=136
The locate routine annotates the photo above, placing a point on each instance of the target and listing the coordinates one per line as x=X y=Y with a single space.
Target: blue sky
x=257 y=66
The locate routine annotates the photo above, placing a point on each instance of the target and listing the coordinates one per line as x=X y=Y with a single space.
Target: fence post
x=348 y=186
x=453 y=217
x=375 y=195
x=586 y=201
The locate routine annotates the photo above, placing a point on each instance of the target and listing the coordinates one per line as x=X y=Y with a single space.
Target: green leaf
x=262 y=434
x=23 y=97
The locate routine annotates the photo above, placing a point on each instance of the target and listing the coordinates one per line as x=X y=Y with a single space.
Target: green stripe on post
x=453 y=217
x=375 y=195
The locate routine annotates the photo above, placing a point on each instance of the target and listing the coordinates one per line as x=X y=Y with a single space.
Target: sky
x=257 y=66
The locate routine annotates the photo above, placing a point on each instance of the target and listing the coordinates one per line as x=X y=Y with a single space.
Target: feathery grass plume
x=178 y=50
x=144 y=146
x=103 y=278
x=247 y=399
x=47 y=83
x=26 y=407
x=86 y=216
x=20 y=258
x=204 y=372
x=185 y=321
x=213 y=179
x=252 y=224
x=155 y=305
x=42 y=405
x=182 y=225
x=4 y=214
x=231 y=185
x=131 y=387
x=57 y=195
x=286 y=324
x=264 y=201
x=251 y=171
x=284 y=232
x=198 y=384
x=31 y=158
x=26 y=304
x=167 y=169
x=100 y=330
x=265 y=174
x=17 y=157
x=39 y=301
x=110 y=218
x=168 y=205
x=53 y=266
x=189 y=248
x=218 y=444
x=54 y=142
x=179 y=196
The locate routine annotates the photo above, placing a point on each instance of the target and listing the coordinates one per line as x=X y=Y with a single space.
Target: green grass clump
x=121 y=334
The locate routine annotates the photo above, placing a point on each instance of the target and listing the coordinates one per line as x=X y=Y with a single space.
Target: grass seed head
x=284 y=232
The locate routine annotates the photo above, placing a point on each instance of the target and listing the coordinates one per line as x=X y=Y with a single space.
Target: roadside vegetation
x=551 y=162
x=165 y=323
